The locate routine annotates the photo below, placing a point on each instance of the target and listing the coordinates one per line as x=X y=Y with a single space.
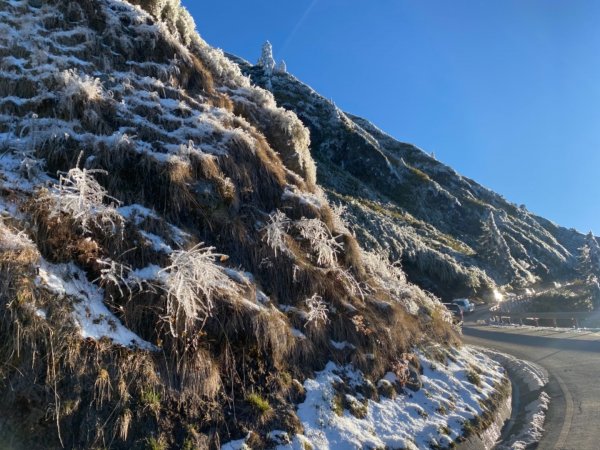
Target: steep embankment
x=170 y=272
x=453 y=236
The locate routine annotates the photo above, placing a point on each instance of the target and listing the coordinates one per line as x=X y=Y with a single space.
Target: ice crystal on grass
x=191 y=281
x=321 y=240
x=78 y=89
x=119 y=275
x=82 y=197
x=317 y=311
x=275 y=232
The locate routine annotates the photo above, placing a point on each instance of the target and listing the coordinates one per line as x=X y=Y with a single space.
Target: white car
x=465 y=305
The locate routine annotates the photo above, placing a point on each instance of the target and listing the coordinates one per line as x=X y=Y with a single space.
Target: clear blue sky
x=506 y=92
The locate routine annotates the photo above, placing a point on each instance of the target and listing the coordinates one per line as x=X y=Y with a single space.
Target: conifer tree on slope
x=266 y=60
x=281 y=67
x=495 y=251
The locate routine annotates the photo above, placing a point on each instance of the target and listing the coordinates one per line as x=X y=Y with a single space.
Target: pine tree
x=266 y=60
x=281 y=67
x=495 y=251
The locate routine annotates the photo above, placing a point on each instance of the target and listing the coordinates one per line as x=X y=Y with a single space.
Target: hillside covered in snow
x=172 y=275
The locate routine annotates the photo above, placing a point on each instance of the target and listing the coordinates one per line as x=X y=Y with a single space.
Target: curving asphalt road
x=572 y=359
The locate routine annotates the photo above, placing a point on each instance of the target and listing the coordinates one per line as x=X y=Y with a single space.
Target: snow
x=156 y=242
x=536 y=378
x=240 y=444
x=537 y=412
x=151 y=272
x=317 y=201
x=298 y=334
x=93 y=318
x=411 y=420
x=342 y=345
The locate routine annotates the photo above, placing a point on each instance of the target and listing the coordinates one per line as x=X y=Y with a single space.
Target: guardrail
x=510 y=317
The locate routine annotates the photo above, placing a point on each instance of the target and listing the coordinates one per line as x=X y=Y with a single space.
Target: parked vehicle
x=465 y=305
x=457 y=314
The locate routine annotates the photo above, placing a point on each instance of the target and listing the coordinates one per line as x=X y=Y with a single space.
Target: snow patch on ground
x=432 y=416
x=92 y=316
x=536 y=378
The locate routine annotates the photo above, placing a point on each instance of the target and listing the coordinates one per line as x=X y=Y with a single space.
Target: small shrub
x=442 y=410
x=317 y=311
x=124 y=423
x=151 y=399
x=156 y=444
x=191 y=280
x=275 y=232
x=82 y=197
x=337 y=404
x=321 y=240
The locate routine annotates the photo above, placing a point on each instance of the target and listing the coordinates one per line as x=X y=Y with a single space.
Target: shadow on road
x=534 y=341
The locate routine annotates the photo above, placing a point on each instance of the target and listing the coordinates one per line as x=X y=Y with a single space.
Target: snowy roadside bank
x=460 y=394
x=530 y=401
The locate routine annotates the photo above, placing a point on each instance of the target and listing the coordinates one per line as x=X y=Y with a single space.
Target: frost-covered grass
x=192 y=280
x=321 y=241
x=82 y=197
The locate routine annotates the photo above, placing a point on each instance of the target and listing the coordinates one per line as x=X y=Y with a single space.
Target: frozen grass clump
x=79 y=195
x=78 y=90
x=321 y=240
x=276 y=231
x=317 y=311
x=191 y=281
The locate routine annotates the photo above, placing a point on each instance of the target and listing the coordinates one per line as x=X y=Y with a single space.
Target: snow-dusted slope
x=403 y=201
x=170 y=271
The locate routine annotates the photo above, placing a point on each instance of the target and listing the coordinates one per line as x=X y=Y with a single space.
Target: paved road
x=572 y=359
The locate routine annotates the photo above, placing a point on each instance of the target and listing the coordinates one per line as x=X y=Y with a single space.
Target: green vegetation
x=259 y=403
x=156 y=443
x=151 y=399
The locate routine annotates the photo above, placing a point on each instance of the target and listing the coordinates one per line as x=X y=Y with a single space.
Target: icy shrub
x=191 y=281
x=170 y=12
x=77 y=90
x=82 y=197
x=321 y=240
x=340 y=224
x=317 y=311
x=379 y=266
x=15 y=245
x=119 y=275
x=275 y=232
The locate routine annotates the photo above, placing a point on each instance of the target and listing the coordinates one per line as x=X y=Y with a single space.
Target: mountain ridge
x=425 y=194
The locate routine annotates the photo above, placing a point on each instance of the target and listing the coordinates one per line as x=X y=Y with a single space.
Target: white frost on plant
x=276 y=231
x=266 y=60
x=82 y=197
x=321 y=240
x=281 y=67
x=191 y=281
x=317 y=311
